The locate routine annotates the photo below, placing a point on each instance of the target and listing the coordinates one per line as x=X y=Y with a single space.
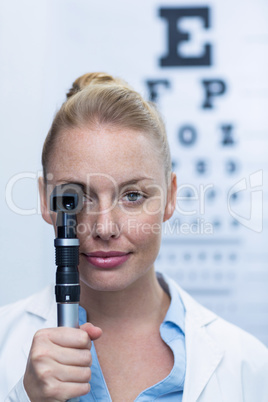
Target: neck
x=141 y=302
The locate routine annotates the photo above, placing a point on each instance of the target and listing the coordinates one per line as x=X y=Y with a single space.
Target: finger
x=65 y=337
x=73 y=390
x=72 y=373
x=70 y=356
x=92 y=331
x=62 y=391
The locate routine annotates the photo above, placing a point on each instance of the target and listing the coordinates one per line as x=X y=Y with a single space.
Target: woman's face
x=126 y=199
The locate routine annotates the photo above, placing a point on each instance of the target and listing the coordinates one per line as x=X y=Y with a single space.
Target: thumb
x=92 y=331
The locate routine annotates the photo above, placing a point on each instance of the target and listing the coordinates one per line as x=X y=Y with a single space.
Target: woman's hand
x=58 y=366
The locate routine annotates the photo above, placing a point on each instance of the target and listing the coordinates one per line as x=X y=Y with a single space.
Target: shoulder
x=242 y=347
x=39 y=306
x=242 y=359
x=45 y=295
x=234 y=341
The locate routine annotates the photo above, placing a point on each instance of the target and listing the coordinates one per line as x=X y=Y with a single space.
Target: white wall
x=45 y=45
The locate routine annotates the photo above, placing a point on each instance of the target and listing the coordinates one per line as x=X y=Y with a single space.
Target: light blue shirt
x=172 y=331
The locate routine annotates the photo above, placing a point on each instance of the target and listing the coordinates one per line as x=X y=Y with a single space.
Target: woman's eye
x=134 y=197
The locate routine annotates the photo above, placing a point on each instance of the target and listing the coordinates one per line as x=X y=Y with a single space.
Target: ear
x=44 y=201
x=171 y=197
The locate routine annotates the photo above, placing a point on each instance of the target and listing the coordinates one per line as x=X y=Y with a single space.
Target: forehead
x=118 y=152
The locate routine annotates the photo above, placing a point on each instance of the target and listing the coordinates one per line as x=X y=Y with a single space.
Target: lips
x=107 y=259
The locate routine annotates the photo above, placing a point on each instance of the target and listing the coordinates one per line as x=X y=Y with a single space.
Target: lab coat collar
x=43 y=303
x=176 y=310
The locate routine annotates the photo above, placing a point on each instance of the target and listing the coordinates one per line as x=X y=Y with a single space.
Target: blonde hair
x=99 y=98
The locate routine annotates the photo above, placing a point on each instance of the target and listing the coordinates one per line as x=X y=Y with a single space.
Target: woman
x=151 y=340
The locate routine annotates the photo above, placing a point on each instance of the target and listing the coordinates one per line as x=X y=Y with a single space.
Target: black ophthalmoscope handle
x=67 y=203
x=67 y=287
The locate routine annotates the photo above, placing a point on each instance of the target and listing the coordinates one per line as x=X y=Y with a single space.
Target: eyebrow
x=64 y=182
x=134 y=181
x=120 y=185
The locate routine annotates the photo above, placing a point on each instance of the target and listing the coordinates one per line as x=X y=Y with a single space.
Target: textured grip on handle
x=67 y=256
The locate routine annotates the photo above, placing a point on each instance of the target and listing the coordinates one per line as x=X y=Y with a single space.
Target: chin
x=113 y=280
x=106 y=281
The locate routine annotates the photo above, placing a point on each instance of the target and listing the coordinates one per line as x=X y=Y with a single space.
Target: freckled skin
x=111 y=156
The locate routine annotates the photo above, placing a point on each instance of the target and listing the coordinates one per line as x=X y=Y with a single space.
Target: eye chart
x=216 y=92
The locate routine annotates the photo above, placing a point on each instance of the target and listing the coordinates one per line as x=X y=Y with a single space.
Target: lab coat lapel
x=203 y=353
x=43 y=308
x=203 y=357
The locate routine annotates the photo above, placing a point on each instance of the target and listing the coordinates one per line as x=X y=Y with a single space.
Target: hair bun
x=93 y=79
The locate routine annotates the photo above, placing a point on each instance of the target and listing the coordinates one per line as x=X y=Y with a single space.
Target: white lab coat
x=223 y=362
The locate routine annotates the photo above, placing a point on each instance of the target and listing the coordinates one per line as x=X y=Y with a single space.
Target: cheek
x=84 y=228
x=154 y=206
x=144 y=230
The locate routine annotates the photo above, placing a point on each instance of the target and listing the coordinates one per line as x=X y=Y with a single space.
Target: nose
x=106 y=225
